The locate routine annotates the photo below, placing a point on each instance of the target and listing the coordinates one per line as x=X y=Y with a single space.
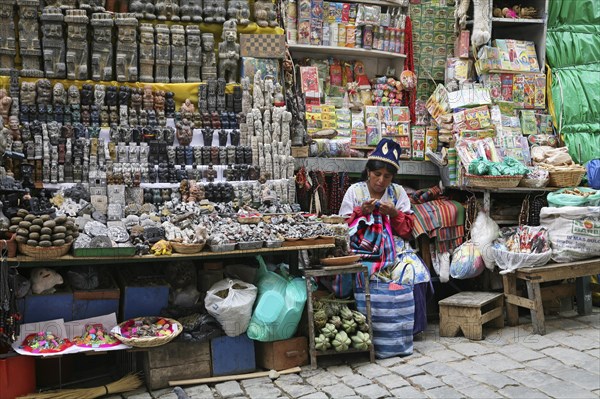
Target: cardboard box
x=281 y=355
x=461 y=44
x=418 y=142
x=176 y=361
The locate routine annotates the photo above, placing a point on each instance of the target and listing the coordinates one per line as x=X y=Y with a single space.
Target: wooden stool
x=468 y=312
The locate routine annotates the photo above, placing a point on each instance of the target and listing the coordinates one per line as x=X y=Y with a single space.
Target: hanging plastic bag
x=484 y=231
x=593 y=173
x=230 y=302
x=279 y=305
x=467 y=262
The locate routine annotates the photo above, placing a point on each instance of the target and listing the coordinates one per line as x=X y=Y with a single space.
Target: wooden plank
x=178 y=353
x=537 y=313
x=470 y=299
x=560 y=271
x=491 y=315
x=583 y=293
x=157 y=378
x=457 y=311
x=519 y=301
x=233 y=377
x=558 y=291
x=333 y=270
x=510 y=292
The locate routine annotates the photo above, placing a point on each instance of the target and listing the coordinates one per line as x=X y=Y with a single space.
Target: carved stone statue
x=214 y=11
x=229 y=52
x=91 y=5
x=54 y=43
x=44 y=92
x=99 y=94
x=185 y=132
x=73 y=95
x=178 y=54
x=59 y=94
x=239 y=10
x=5 y=104
x=146 y=53
x=29 y=42
x=143 y=9
x=163 y=53
x=191 y=10
x=127 y=54
x=148 y=98
x=209 y=60
x=265 y=14
x=77 y=45
x=193 y=53
x=102 y=49
x=8 y=45
x=167 y=10
x=169 y=104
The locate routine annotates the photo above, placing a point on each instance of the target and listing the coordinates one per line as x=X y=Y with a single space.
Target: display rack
x=357 y=165
x=332 y=271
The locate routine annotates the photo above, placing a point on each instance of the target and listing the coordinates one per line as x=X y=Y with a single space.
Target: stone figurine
x=184 y=132
x=229 y=52
x=29 y=43
x=53 y=43
x=92 y=5
x=190 y=10
x=163 y=53
x=44 y=92
x=99 y=95
x=143 y=9
x=193 y=53
x=209 y=59
x=167 y=10
x=147 y=52
x=239 y=10
x=102 y=48
x=148 y=98
x=77 y=45
x=265 y=14
x=8 y=41
x=5 y=105
x=214 y=11
x=59 y=94
x=178 y=54
x=127 y=54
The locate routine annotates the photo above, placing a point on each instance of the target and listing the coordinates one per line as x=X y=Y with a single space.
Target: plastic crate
x=43 y=307
x=142 y=300
x=224 y=362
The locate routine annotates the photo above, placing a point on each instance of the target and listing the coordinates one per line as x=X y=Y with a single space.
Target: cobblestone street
x=509 y=363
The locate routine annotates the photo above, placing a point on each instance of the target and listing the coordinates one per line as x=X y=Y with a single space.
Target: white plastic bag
x=510 y=261
x=483 y=232
x=234 y=311
x=467 y=262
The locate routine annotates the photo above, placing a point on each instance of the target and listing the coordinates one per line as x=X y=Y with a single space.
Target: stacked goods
x=339 y=327
x=43 y=230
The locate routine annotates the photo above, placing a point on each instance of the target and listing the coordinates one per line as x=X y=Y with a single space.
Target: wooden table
x=533 y=276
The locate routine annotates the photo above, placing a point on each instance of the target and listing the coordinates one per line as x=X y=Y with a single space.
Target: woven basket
x=44 y=252
x=249 y=219
x=566 y=178
x=533 y=183
x=493 y=181
x=150 y=342
x=181 y=248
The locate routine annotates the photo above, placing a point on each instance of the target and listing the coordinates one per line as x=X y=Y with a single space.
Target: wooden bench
x=468 y=312
x=533 y=276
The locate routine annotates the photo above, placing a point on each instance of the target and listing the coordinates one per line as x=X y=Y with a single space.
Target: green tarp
x=573 y=54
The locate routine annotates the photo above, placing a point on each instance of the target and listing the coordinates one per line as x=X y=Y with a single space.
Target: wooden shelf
x=513 y=21
x=514 y=190
x=360 y=53
x=376 y=2
x=357 y=165
x=70 y=260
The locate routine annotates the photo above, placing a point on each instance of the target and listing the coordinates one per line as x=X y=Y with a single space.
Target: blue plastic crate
x=45 y=307
x=232 y=355
x=140 y=301
x=97 y=302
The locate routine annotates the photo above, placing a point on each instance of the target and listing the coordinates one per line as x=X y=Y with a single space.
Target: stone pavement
x=509 y=363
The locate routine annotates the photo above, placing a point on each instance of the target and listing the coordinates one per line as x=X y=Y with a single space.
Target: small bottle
x=358 y=36
x=397 y=41
x=387 y=39
x=376 y=39
x=381 y=32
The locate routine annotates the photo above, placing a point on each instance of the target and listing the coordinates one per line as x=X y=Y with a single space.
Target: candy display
x=45 y=342
x=147 y=327
x=96 y=336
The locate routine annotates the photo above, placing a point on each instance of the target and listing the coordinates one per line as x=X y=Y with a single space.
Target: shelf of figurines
x=357 y=52
x=357 y=165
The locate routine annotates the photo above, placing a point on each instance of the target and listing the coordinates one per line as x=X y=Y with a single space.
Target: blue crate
x=140 y=301
x=98 y=302
x=45 y=307
x=232 y=355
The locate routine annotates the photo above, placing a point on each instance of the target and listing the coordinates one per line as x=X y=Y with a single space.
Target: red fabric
x=409 y=65
x=402 y=225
